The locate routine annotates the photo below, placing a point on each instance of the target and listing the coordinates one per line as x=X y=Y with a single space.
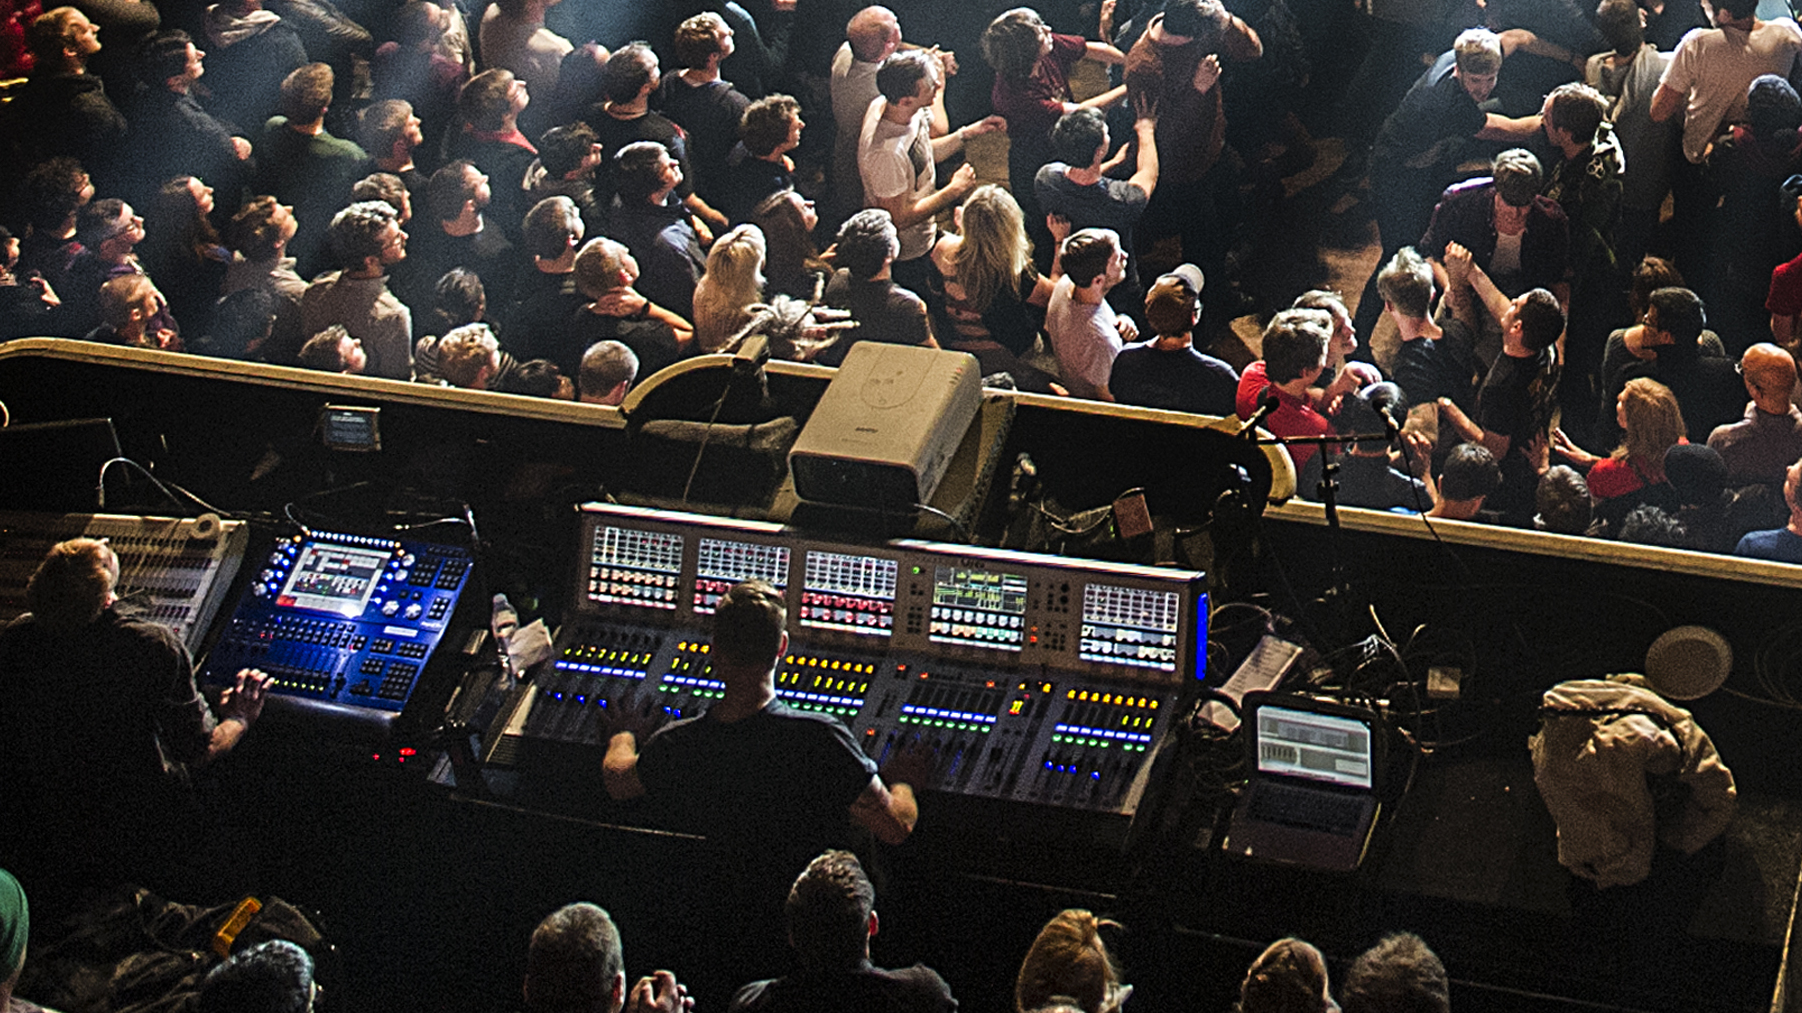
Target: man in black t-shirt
x=1167 y=372
x=831 y=917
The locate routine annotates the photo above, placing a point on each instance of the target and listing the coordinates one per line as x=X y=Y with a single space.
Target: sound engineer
x=101 y=722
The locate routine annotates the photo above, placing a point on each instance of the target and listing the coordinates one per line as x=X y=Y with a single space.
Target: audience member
x=367 y=240
x=1698 y=479
x=1760 y=447
x=864 y=285
x=172 y=134
x=184 y=250
x=1069 y=958
x=1398 y=973
x=489 y=107
x=568 y=159
x=1469 y=478
x=301 y=164
x=50 y=196
x=1367 y=475
x=25 y=303
x=897 y=152
x=416 y=67
x=1651 y=423
x=605 y=273
x=1563 y=501
x=109 y=232
x=129 y=307
x=655 y=225
x=393 y=135
x=704 y=104
x=1077 y=188
x=1295 y=347
x=871 y=36
x=1437 y=358
x=794 y=265
x=455 y=232
x=1672 y=352
x=1167 y=371
x=623 y=117
x=732 y=282
x=242 y=324
x=390 y=190
x=983 y=293
x=608 y=369
x=1753 y=231
x=513 y=38
x=575 y=964
x=1086 y=334
x=259 y=234
x=1288 y=977
x=538 y=378
x=831 y=913
x=253 y=50
x=1341 y=375
x=470 y=357
x=62 y=110
x=760 y=163
x=545 y=296
x=1628 y=77
x=1782 y=545
x=334 y=350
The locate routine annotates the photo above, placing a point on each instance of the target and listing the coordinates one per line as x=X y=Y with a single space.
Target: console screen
x=978 y=608
x=333 y=578
x=631 y=567
x=1129 y=626
x=722 y=564
x=851 y=593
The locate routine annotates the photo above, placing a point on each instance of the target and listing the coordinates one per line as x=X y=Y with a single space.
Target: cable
x=100 y=482
x=956 y=525
x=708 y=435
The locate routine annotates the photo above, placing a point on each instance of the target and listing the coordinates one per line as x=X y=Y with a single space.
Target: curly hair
x=1288 y=977
x=1010 y=44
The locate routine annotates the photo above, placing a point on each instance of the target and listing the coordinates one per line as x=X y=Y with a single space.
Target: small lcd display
x=851 y=593
x=633 y=567
x=723 y=563
x=333 y=578
x=978 y=608
x=1129 y=626
x=1320 y=747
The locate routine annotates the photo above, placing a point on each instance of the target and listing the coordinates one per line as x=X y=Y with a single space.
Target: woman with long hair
x=985 y=296
x=732 y=282
x=1651 y=423
x=183 y=252
x=792 y=263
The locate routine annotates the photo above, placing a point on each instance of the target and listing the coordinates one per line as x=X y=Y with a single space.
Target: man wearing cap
x=1759 y=447
x=1167 y=372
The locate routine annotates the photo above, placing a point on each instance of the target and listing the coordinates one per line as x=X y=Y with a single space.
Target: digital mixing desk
x=1039 y=679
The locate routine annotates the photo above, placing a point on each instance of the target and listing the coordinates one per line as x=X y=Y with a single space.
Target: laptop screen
x=1320 y=747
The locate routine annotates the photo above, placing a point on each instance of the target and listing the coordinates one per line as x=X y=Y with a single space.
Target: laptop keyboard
x=1310 y=810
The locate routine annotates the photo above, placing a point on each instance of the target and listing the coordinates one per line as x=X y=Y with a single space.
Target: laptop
x=1317 y=774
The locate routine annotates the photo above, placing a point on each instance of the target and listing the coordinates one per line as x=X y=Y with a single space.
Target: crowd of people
x=466 y=197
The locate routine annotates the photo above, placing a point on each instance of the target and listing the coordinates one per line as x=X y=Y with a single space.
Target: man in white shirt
x=896 y=153
x=871 y=36
x=1085 y=331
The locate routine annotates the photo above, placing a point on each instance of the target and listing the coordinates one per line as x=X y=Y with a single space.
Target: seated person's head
x=307 y=93
x=563 y=150
x=51 y=192
x=1399 y=973
x=1696 y=472
x=1518 y=176
x=867 y=242
x=1087 y=253
x=1679 y=313
x=575 y=964
x=1541 y=319
x=333 y=350
x=458 y=298
x=273 y=977
x=900 y=75
x=163 y=56
x=1563 y=501
x=387 y=188
x=109 y=227
x=1406 y=284
x=538 y=378
x=608 y=369
x=603 y=266
x=1648 y=524
x=73 y=583
x=553 y=228
x=127 y=301
x=469 y=357
x=1288 y=977
x=1470 y=474
x=1620 y=23
x=1295 y=345
x=1477 y=52
x=241 y=323
x=1173 y=305
x=488 y=99
x=1078 y=135
x=1068 y=959
x=260 y=227
x=630 y=68
x=831 y=911
x=642 y=169
x=363 y=231
x=749 y=626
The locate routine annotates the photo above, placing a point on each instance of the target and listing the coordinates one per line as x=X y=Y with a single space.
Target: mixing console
x=344 y=621
x=172 y=572
x=1038 y=679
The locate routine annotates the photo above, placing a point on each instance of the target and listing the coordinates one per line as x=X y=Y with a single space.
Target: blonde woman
x=1069 y=959
x=985 y=296
x=732 y=283
x=1651 y=423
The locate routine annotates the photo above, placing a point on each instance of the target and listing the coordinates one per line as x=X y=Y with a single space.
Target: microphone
x=1268 y=402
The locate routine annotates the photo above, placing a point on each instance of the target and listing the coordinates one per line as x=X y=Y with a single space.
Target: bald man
x=871 y=36
x=1760 y=447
